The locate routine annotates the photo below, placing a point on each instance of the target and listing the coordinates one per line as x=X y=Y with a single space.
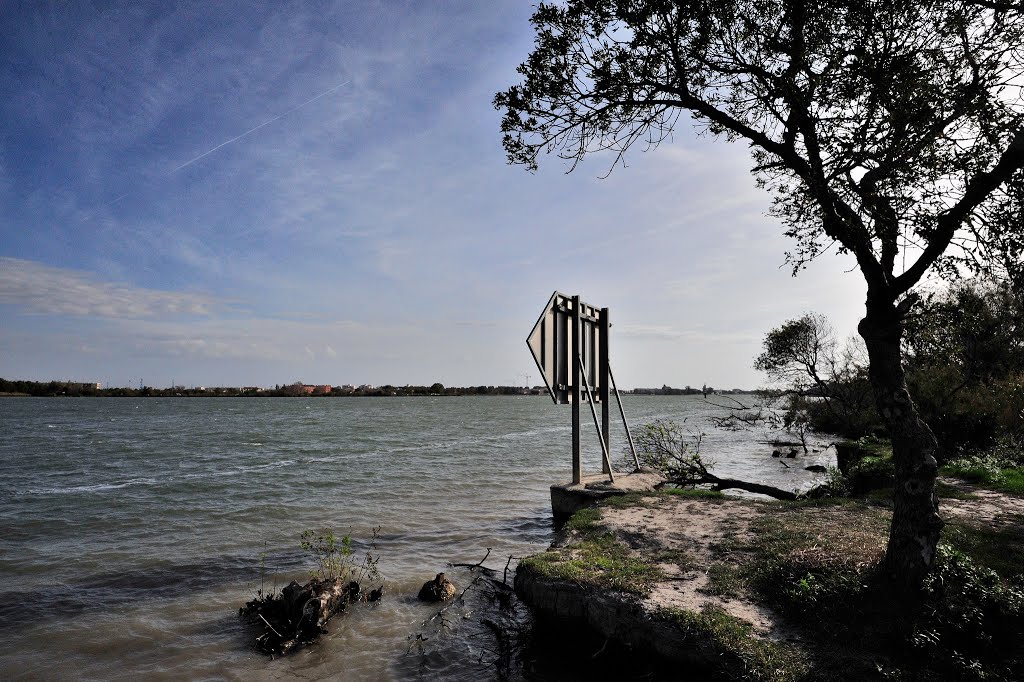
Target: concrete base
x=569 y=498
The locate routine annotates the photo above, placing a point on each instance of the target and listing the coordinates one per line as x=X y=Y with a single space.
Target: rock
x=438 y=589
x=816 y=468
x=776 y=453
x=791 y=454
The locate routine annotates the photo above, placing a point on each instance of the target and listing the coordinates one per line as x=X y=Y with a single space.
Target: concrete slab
x=569 y=498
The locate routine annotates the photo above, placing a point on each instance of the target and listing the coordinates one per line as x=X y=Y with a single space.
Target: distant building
x=312 y=389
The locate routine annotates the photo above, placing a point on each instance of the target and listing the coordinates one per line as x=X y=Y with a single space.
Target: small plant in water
x=333 y=556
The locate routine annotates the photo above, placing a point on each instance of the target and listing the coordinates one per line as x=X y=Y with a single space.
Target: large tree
x=893 y=131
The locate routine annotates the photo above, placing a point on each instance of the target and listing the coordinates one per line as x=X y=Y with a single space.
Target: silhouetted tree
x=893 y=131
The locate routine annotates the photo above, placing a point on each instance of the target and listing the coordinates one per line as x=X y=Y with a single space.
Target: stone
x=437 y=590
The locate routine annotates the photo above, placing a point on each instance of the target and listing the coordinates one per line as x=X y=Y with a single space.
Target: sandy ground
x=696 y=527
x=701 y=528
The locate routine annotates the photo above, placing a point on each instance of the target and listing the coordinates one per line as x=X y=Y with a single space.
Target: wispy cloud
x=42 y=289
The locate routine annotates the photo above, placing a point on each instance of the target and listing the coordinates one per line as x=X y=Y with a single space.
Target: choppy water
x=131 y=529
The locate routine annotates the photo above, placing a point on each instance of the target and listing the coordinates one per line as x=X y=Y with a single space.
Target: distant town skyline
x=250 y=193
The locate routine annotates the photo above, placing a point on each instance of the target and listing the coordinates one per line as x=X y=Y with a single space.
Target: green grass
x=877 y=447
x=986 y=474
x=1013 y=481
x=740 y=654
x=598 y=560
x=584 y=520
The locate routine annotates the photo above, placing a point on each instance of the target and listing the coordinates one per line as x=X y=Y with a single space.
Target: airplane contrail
x=253 y=130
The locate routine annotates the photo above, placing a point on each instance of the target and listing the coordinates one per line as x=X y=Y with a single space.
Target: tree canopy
x=884 y=128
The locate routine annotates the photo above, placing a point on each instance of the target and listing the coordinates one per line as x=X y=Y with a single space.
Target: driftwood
x=299 y=614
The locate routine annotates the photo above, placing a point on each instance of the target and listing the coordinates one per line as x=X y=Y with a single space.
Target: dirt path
x=988 y=508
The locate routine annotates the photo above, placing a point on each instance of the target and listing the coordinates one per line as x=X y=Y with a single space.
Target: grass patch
x=986 y=474
x=584 y=521
x=598 y=560
x=873 y=446
x=812 y=558
x=1013 y=481
x=1000 y=467
x=739 y=653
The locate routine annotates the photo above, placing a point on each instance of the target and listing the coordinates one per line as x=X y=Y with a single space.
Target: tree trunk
x=916 y=524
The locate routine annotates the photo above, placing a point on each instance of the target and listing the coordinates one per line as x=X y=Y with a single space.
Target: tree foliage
x=964 y=352
x=965 y=358
x=879 y=127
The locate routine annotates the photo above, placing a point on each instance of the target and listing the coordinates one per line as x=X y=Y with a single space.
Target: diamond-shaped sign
x=548 y=337
x=550 y=342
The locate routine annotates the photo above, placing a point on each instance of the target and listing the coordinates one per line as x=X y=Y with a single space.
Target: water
x=132 y=528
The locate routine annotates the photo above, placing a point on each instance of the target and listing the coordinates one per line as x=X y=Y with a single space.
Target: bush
x=969 y=620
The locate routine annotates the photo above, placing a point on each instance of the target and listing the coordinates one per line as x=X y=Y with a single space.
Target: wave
x=148 y=481
x=96 y=487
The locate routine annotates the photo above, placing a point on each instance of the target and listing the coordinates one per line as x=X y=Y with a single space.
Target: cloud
x=47 y=290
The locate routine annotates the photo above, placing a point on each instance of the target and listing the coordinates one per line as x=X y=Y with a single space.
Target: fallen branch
x=663 y=446
x=479 y=564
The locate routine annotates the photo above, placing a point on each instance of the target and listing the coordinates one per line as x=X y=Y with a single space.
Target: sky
x=249 y=193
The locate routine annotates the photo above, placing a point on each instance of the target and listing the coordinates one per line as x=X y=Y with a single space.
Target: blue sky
x=361 y=224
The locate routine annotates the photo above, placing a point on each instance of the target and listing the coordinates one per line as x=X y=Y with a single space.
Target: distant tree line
x=79 y=389
x=686 y=390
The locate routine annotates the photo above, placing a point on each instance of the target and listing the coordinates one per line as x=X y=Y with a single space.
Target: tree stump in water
x=299 y=614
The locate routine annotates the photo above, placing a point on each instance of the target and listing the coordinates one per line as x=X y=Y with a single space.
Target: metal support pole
x=606 y=460
x=622 y=412
x=603 y=328
x=574 y=390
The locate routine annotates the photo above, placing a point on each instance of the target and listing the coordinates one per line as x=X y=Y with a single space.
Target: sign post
x=569 y=343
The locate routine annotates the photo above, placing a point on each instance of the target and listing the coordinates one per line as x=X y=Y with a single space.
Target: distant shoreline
x=27 y=389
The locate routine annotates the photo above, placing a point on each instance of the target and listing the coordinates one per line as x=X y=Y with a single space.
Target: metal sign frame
x=569 y=343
